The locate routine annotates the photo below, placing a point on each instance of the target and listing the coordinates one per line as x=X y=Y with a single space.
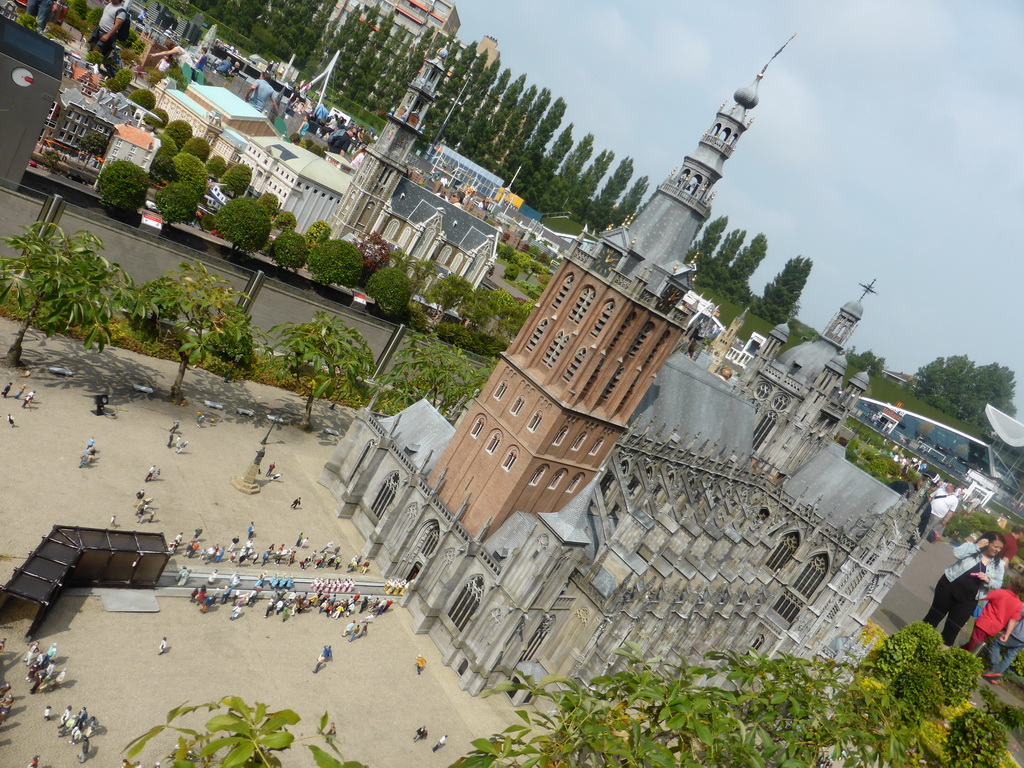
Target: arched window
x=764 y=428
x=716 y=129
x=593 y=377
x=391 y=230
x=385 y=495
x=574 y=366
x=366 y=452
x=556 y=479
x=555 y=348
x=579 y=441
x=537 y=333
x=501 y=390
x=445 y=255
x=494 y=442
x=466 y=604
x=430 y=535
x=478 y=427
x=510 y=459
x=586 y=298
x=576 y=480
x=639 y=340
x=783 y=552
x=611 y=385
x=538 y=474
x=535 y=421
x=517 y=406
x=560 y=436
x=603 y=318
x=598 y=444
x=537 y=638
x=563 y=291
x=622 y=329
x=812 y=575
x=657 y=348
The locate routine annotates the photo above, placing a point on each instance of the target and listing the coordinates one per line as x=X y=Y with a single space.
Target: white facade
x=134 y=145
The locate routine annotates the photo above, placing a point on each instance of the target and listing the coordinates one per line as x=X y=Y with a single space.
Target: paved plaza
x=370 y=690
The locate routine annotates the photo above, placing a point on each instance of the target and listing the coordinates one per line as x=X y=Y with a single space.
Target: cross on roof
x=868 y=288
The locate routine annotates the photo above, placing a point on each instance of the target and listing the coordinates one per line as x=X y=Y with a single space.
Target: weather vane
x=761 y=73
x=868 y=288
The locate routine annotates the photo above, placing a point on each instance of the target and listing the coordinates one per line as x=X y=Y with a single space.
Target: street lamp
x=246 y=483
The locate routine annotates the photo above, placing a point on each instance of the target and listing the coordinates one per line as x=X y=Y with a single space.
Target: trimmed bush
x=177 y=202
x=335 y=262
x=318 y=232
x=197 y=146
x=144 y=98
x=269 y=202
x=289 y=250
x=391 y=289
x=153 y=76
x=216 y=166
x=158 y=119
x=244 y=223
x=162 y=170
x=122 y=184
x=959 y=674
x=236 y=179
x=975 y=740
x=119 y=82
x=286 y=220
x=178 y=130
x=191 y=171
x=916 y=645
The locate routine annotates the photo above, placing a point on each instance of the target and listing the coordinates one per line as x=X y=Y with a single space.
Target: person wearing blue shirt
x=260 y=93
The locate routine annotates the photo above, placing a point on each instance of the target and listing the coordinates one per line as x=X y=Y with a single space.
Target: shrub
x=391 y=289
x=119 y=82
x=295 y=138
x=286 y=220
x=318 y=232
x=975 y=740
x=470 y=340
x=162 y=170
x=158 y=119
x=153 y=76
x=236 y=179
x=197 y=146
x=289 y=250
x=144 y=98
x=915 y=645
x=335 y=262
x=376 y=251
x=511 y=273
x=177 y=202
x=178 y=76
x=27 y=21
x=216 y=166
x=964 y=524
x=178 y=130
x=94 y=57
x=244 y=223
x=959 y=673
x=269 y=202
x=123 y=185
x=93 y=16
x=81 y=7
x=919 y=690
x=191 y=171
x=93 y=143
x=55 y=31
x=418 y=319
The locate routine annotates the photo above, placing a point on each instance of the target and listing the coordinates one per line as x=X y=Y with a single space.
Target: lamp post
x=246 y=483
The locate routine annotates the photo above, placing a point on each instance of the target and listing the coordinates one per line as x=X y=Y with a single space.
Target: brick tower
x=563 y=392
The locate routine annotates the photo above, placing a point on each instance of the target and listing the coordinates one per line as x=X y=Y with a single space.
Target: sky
x=887 y=143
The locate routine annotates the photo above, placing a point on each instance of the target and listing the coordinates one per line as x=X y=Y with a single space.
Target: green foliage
x=961 y=388
x=216 y=166
x=959 y=673
x=335 y=262
x=163 y=170
x=318 y=232
x=27 y=21
x=324 y=357
x=450 y=293
x=919 y=690
x=236 y=179
x=94 y=16
x=269 y=202
x=158 y=119
x=94 y=57
x=244 y=223
x=178 y=130
x=239 y=736
x=286 y=220
x=177 y=202
x=964 y=524
x=915 y=645
x=175 y=73
x=289 y=250
x=472 y=341
x=144 y=98
x=122 y=184
x=975 y=740
x=190 y=171
x=511 y=273
x=391 y=289
x=59 y=282
x=93 y=143
x=780 y=300
x=81 y=7
x=197 y=146
x=864 y=361
x=119 y=82
x=154 y=76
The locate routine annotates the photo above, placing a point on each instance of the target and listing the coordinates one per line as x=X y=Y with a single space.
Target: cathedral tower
x=565 y=389
x=385 y=161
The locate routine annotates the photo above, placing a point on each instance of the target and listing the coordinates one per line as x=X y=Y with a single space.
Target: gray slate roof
x=570 y=522
x=700 y=404
x=460 y=228
x=850 y=498
x=805 y=361
x=511 y=535
x=421 y=432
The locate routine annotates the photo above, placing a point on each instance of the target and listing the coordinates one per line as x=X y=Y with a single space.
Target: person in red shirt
x=1001 y=605
x=1011 y=543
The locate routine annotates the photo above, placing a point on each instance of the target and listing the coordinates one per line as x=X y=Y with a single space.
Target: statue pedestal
x=247 y=483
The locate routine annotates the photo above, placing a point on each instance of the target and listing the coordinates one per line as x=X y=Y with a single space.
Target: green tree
x=432 y=370
x=509 y=313
x=93 y=143
x=237 y=179
x=197 y=146
x=59 y=282
x=216 y=166
x=197 y=315
x=419 y=270
x=178 y=130
x=324 y=357
x=601 y=212
x=122 y=184
x=335 y=262
x=270 y=203
x=961 y=388
x=704 y=249
x=177 y=202
x=450 y=293
x=289 y=250
x=286 y=220
x=244 y=223
x=119 y=81
x=631 y=201
x=736 y=281
x=190 y=171
x=318 y=232
x=239 y=736
x=864 y=361
x=144 y=97
x=781 y=298
x=158 y=119
x=391 y=289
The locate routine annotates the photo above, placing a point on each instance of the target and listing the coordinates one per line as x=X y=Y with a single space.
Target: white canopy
x=1010 y=430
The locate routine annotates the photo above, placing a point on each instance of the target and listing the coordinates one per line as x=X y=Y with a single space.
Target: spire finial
x=869 y=288
x=765 y=67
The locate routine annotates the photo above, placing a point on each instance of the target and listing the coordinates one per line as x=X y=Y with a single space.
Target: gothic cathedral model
x=604 y=488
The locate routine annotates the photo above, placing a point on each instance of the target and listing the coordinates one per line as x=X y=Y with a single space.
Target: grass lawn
x=563 y=225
